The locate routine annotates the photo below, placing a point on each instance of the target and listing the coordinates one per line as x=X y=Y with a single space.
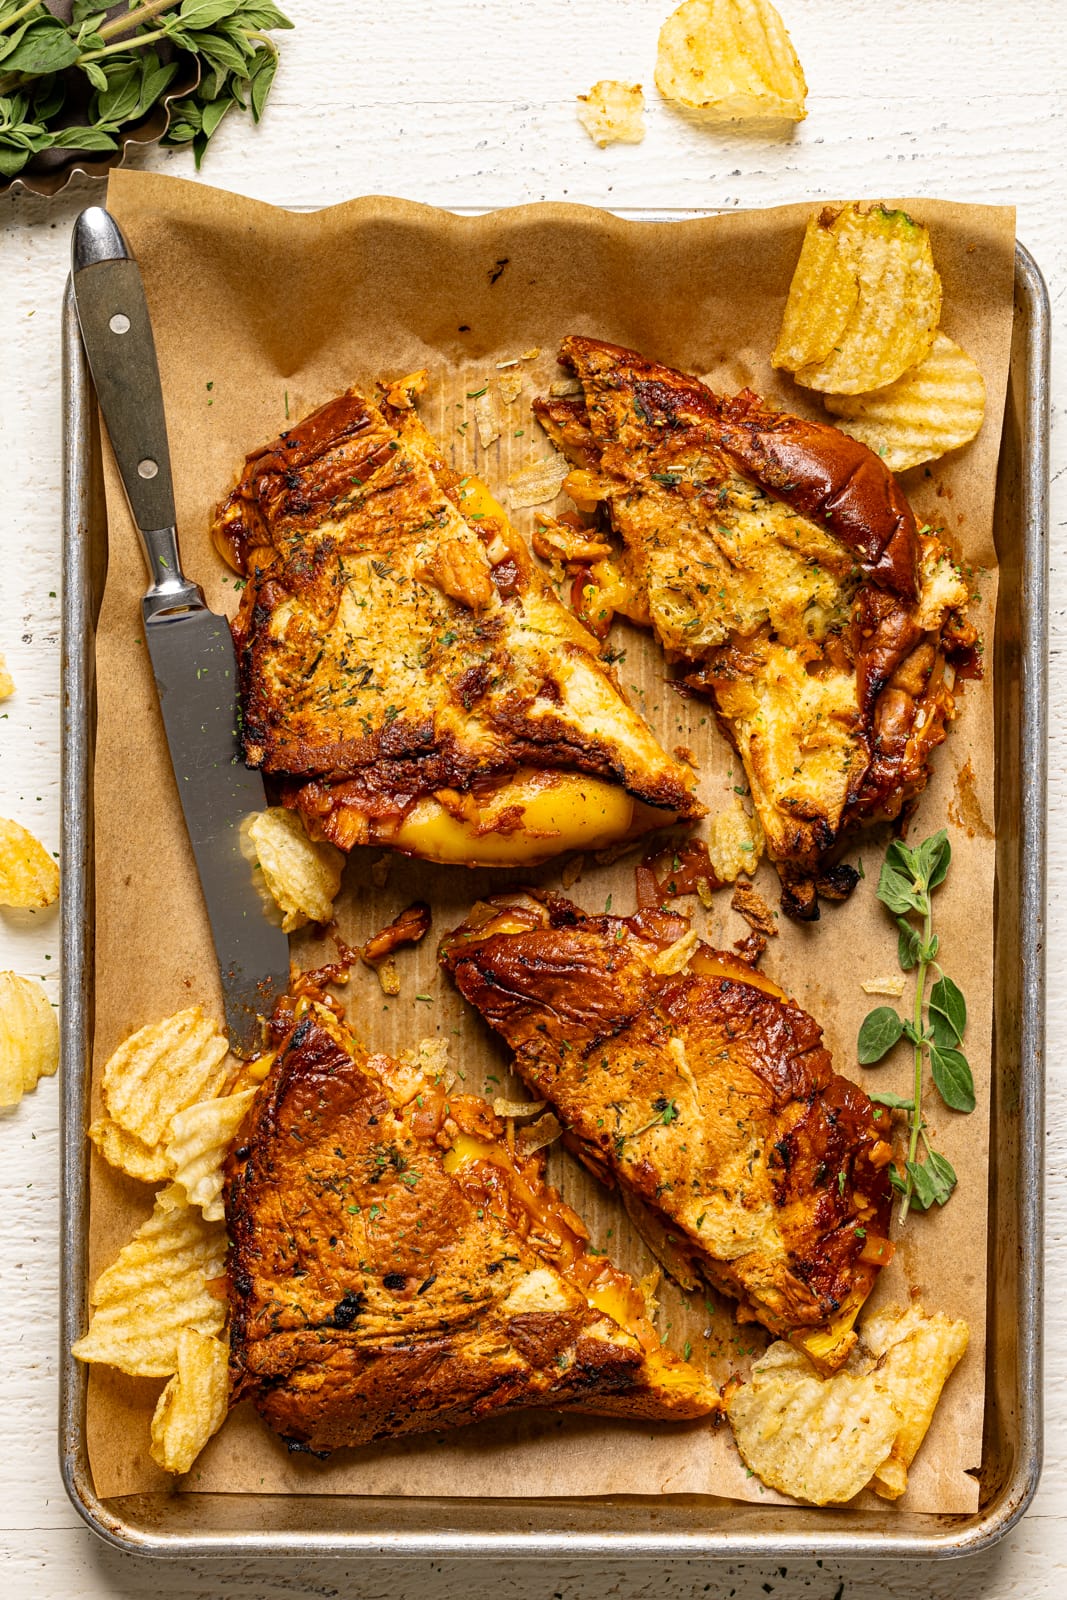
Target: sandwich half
x=407 y=675
x=780 y=566
x=399 y=1265
x=692 y=1083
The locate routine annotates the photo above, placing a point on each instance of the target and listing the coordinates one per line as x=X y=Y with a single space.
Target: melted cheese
x=559 y=812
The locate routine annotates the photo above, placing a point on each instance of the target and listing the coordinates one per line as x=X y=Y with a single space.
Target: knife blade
x=190 y=646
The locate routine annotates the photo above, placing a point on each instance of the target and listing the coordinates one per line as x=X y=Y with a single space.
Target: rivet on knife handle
x=117 y=334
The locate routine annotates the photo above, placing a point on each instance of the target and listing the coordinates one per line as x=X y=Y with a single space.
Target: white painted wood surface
x=470 y=103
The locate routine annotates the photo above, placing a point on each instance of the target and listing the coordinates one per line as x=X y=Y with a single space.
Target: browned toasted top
x=778 y=561
x=374 y=1291
x=821 y=472
x=705 y=1091
x=395 y=637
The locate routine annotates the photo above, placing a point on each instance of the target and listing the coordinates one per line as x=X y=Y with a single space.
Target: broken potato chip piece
x=732 y=59
x=29 y=877
x=194 y=1404
x=7 y=682
x=161 y=1069
x=613 y=112
x=824 y=1439
x=916 y=1354
x=200 y=1140
x=538 y=483
x=735 y=843
x=864 y=302
x=302 y=875
x=934 y=407
x=122 y=1149
x=29 y=1037
x=157 y=1287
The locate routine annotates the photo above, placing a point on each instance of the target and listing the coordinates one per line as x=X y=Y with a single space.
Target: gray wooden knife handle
x=117 y=334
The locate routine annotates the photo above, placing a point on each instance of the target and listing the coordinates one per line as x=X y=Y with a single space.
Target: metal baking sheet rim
x=191 y=1525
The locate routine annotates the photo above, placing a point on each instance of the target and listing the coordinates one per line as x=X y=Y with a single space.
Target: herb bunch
x=75 y=85
x=934 y=1029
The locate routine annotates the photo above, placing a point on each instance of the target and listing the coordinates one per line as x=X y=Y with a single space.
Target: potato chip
x=194 y=1404
x=161 y=1069
x=200 y=1140
x=735 y=843
x=131 y=1155
x=29 y=1037
x=817 y=1439
x=863 y=307
x=29 y=877
x=732 y=59
x=156 y=1287
x=7 y=682
x=915 y=1353
x=510 y=385
x=538 y=483
x=936 y=406
x=485 y=420
x=302 y=875
x=613 y=112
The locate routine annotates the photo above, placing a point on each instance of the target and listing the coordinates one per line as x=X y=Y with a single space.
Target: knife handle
x=117 y=333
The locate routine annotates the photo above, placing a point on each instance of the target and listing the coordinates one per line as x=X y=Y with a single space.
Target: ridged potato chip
x=29 y=878
x=613 y=112
x=817 y=1439
x=161 y=1069
x=825 y=1439
x=194 y=1404
x=7 y=682
x=732 y=59
x=131 y=1155
x=157 y=1287
x=302 y=875
x=937 y=406
x=200 y=1140
x=864 y=302
x=917 y=1354
x=29 y=1037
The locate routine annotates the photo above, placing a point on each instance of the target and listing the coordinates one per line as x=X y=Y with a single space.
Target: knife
x=191 y=648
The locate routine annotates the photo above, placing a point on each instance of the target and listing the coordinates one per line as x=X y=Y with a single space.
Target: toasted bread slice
x=691 y=1081
x=779 y=564
x=406 y=670
x=397 y=1266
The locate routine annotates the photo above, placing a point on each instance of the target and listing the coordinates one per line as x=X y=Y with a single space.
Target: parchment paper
x=259 y=316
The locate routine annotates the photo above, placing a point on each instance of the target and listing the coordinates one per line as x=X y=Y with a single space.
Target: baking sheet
x=277 y=312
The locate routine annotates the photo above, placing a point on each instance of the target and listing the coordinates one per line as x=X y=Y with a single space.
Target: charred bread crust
x=371 y=1291
x=593 y=1028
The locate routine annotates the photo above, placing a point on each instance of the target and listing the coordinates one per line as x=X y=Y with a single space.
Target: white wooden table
x=470 y=103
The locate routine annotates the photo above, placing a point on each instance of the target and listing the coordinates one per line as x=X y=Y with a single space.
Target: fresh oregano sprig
x=75 y=85
x=934 y=1029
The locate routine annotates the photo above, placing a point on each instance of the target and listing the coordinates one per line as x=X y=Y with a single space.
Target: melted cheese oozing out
x=609 y=1291
x=567 y=812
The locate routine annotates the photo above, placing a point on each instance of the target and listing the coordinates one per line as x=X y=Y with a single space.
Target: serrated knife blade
x=191 y=647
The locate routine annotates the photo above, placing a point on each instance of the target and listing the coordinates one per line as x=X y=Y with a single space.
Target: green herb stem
x=17 y=16
x=915 y=1115
x=122 y=44
x=145 y=12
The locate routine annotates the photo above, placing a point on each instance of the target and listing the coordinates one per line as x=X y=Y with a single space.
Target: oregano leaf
x=879 y=1032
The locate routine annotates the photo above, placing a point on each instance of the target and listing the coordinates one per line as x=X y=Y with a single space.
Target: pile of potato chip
x=159 y=1311
x=861 y=327
x=822 y=1440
